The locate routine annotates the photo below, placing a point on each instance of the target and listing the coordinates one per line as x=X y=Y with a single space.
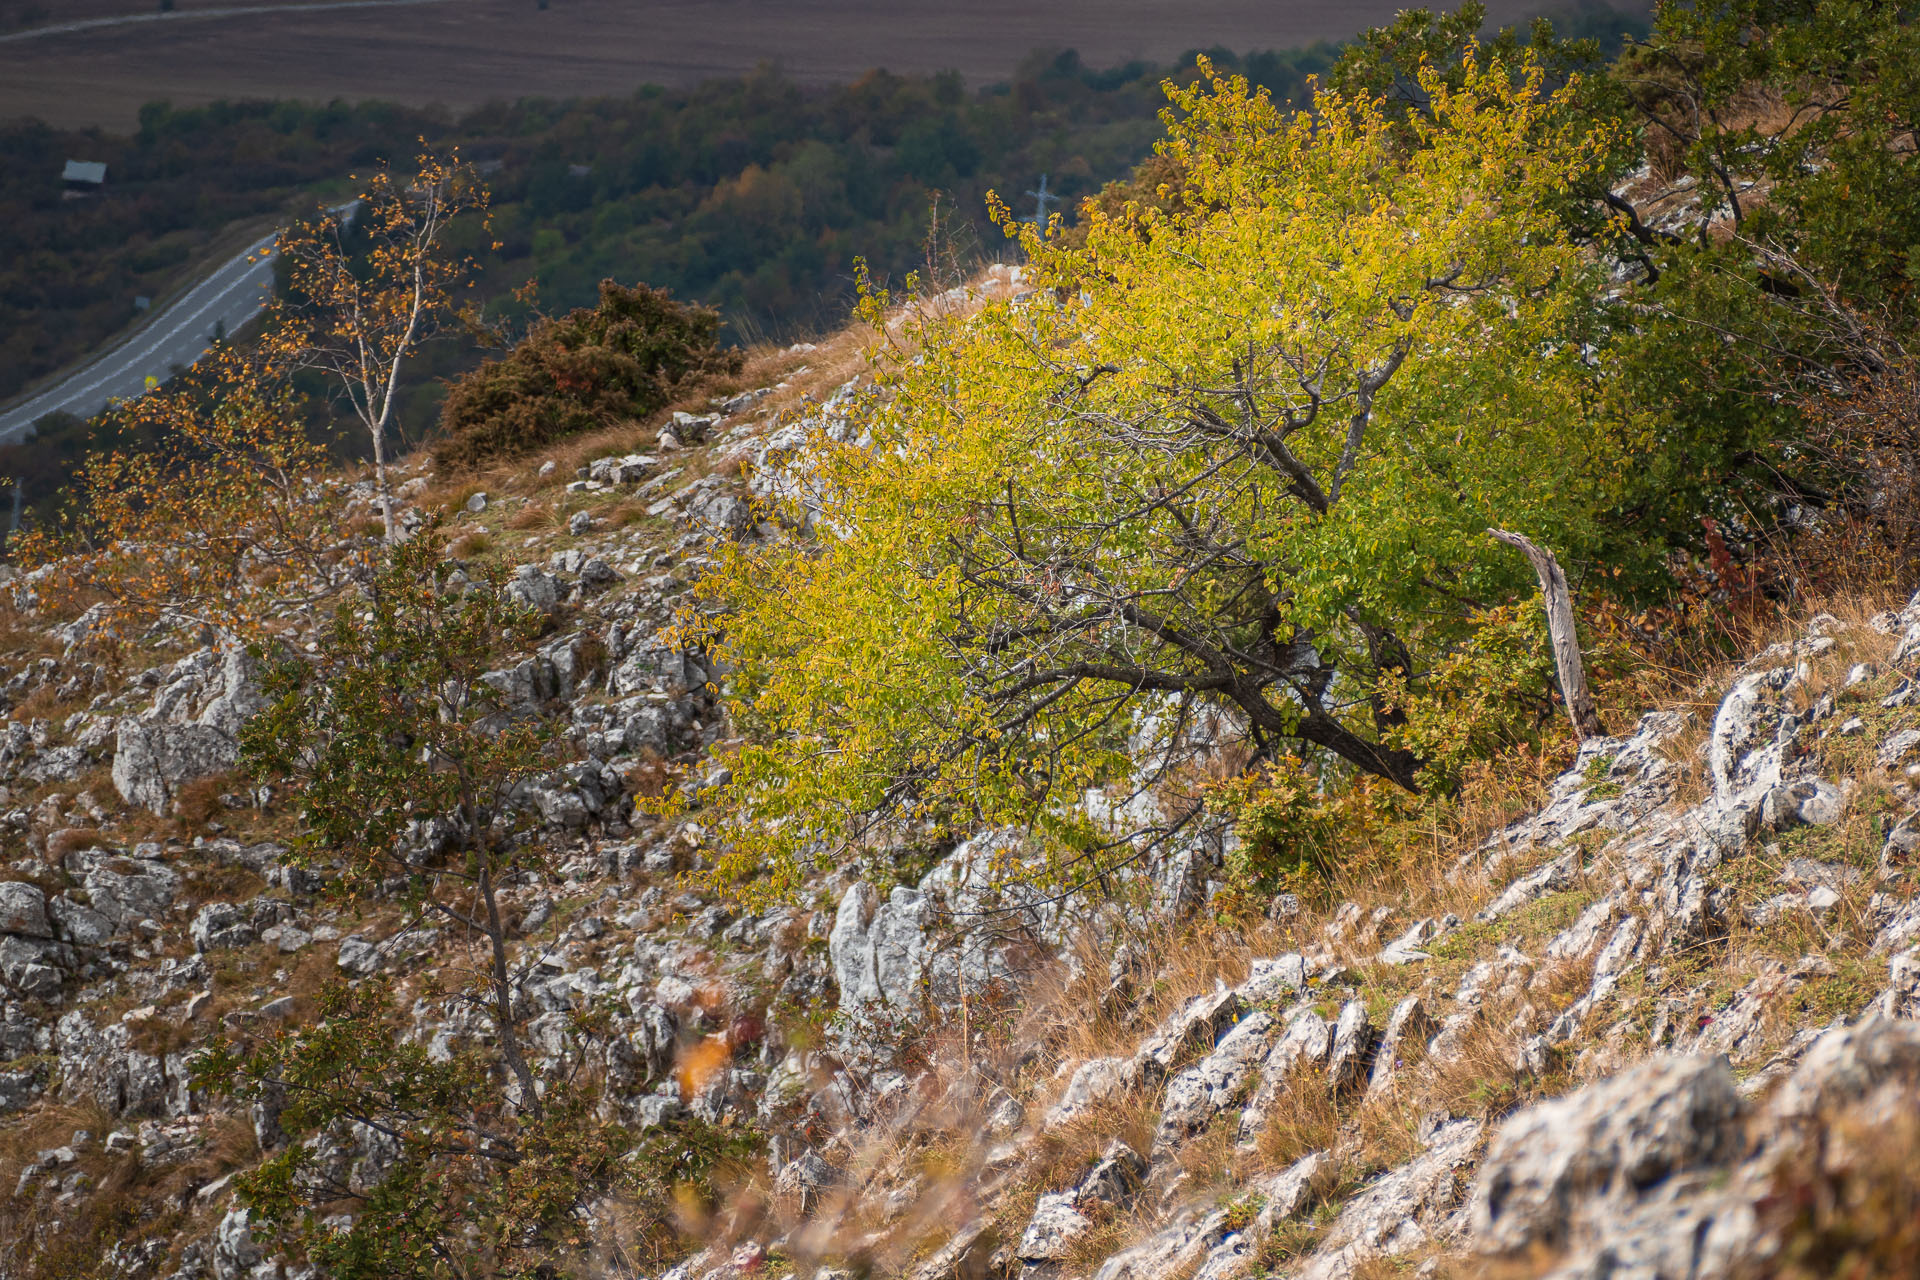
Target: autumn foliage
x=228 y=516
x=371 y=281
x=223 y=519
x=631 y=355
x=1225 y=485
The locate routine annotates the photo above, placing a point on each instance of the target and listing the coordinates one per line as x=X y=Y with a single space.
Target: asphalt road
x=178 y=335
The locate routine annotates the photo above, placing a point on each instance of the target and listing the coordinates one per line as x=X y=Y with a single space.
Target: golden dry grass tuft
x=1305 y=1118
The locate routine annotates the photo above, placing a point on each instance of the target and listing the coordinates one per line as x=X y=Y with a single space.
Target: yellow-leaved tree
x=224 y=516
x=1216 y=492
x=221 y=520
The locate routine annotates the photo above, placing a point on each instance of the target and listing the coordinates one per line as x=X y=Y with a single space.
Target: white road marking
x=180 y=334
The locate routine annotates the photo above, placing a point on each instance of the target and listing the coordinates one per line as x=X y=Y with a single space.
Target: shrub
x=629 y=356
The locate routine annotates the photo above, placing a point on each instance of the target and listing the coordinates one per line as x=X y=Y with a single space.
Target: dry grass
x=914 y=1169
x=43 y=1241
x=454 y=499
x=1690 y=671
x=626 y=514
x=1386 y=1129
x=208 y=882
x=72 y=840
x=1304 y=1118
x=1063 y=1019
x=197 y=802
x=532 y=516
x=1686 y=753
x=1483 y=1078
x=45 y=703
x=23 y=637
x=1849 y=1206
x=49 y=1125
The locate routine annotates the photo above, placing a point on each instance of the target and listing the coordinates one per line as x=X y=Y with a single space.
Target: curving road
x=177 y=335
x=190 y=15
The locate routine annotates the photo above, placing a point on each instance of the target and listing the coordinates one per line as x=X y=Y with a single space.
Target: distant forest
x=753 y=195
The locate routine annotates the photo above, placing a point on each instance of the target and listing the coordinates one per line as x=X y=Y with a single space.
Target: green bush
x=631 y=355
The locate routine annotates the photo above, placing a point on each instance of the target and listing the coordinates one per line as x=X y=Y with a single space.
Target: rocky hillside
x=1652 y=1016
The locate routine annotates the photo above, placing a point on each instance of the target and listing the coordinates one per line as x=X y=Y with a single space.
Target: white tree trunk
x=380 y=482
x=1560 y=628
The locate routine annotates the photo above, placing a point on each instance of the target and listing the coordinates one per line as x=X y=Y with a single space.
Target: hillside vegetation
x=1055 y=780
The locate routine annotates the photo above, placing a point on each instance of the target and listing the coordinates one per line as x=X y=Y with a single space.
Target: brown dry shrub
x=229 y=883
x=196 y=802
x=629 y=356
x=628 y=513
x=1868 y=439
x=71 y=840
x=651 y=778
x=533 y=515
x=42 y=704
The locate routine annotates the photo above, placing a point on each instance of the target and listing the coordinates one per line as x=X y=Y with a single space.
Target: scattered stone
x=1823 y=805
x=1552 y=878
x=220 y=926
x=1201 y=1020
x=533 y=588
x=1062 y=1217
x=358 y=957
x=1897 y=748
x=1307 y=1042
x=1200 y=1092
x=1409 y=1023
x=23 y=910
x=1553 y=1172
x=1405 y=949
x=1352 y=1051
x=1269 y=981
x=1401 y=1211
x=1056 y=1223
x=1093 y=1082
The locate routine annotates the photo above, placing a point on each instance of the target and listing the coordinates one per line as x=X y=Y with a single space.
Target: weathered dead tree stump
x=1560 y=629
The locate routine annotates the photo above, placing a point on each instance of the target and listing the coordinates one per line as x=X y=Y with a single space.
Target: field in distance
x=461 y=53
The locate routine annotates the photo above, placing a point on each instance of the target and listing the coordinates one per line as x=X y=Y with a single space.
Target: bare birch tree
x=372 y=280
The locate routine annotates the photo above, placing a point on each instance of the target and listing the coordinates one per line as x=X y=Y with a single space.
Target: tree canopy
x=1225 y=478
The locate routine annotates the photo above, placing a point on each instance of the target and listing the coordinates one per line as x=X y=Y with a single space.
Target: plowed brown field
x=464 y=52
